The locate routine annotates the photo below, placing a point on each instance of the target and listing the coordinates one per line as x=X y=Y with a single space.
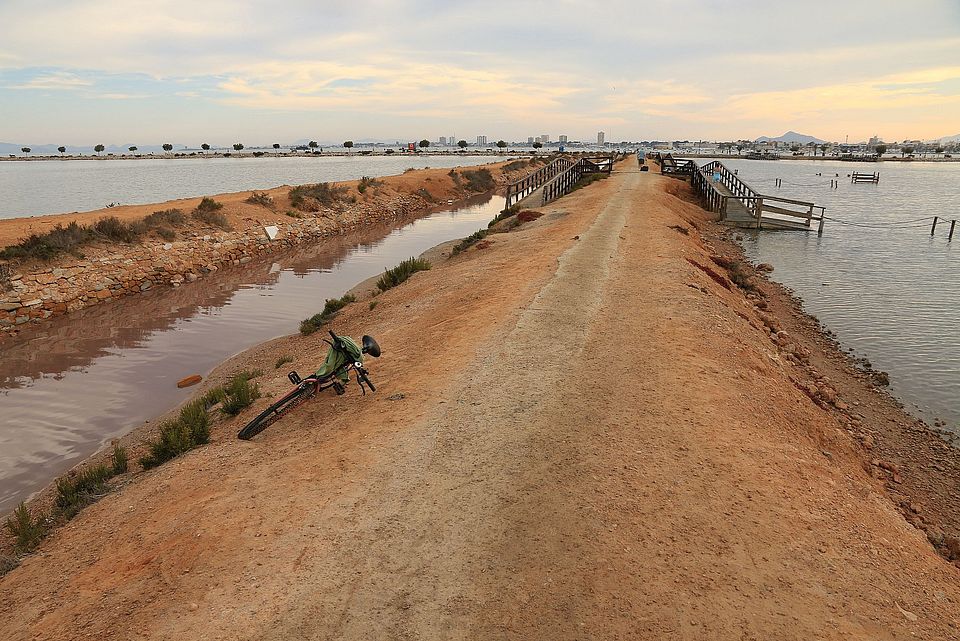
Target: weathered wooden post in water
x=934 y=228
x=953 y=223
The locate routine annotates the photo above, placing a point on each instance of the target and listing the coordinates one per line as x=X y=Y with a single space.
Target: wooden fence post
x=934 y=228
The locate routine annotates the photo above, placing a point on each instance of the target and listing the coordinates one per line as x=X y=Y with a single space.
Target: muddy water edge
x=74 y=383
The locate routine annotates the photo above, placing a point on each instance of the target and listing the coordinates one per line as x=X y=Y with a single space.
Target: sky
x=220 y=71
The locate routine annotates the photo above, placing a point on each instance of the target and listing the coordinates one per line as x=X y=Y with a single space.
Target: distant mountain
x=951 y=138
x=791 y=136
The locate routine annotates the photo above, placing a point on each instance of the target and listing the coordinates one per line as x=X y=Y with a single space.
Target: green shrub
x=208 y=205
x=260 y=198
x=373 y=304
x=403 y=271
x=506 y=213
x=367 y=182
x=470 y=240
x=166 y=233
x=479 y=179
x=307 y=197
x=76 y=491
x=240 y=393
x=189 y=430
x=330 y=308
x=119 y=459
x=60 y=239
x=283 y=360
x=173 y=440
x=165 y=218
x=112 y=228
x=27 y=531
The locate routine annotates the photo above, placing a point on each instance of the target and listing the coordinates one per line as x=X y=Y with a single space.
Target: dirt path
x=578 y=435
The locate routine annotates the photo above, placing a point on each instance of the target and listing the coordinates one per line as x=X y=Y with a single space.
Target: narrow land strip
x=578 y=434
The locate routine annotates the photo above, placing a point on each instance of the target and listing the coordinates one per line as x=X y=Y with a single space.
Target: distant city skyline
x=116 y=72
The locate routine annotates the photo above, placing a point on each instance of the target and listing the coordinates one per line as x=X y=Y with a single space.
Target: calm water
x=891 y=293
x=76 y=383
x=59 y=186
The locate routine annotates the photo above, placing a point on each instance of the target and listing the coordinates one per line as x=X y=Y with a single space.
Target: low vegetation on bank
x=311 y=198
x=400 y=273
x=330 y=308
x=261 y=198
x=80 y=488
x=208 y=212
x=70 y=238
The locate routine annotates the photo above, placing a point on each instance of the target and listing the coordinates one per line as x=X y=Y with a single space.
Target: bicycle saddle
x=370 y=346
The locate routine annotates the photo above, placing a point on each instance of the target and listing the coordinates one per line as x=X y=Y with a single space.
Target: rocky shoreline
x=916 y=464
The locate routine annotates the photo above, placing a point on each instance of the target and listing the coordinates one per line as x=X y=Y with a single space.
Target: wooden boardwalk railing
x=557 y=178
x=670 y=166
x=739 y=204
x=519 y=190
x=565 y=181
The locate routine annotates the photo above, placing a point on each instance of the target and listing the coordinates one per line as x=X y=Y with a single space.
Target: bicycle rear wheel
x=272 y=413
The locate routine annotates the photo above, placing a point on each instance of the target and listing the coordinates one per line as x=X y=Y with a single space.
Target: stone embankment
x=43 y=290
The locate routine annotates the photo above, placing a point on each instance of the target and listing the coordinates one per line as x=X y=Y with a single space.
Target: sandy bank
x=582 y=429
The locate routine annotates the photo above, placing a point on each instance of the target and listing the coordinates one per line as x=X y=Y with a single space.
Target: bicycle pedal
x=294 y=378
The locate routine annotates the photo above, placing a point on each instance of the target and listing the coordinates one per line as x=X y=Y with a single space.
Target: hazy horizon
x=113 y=72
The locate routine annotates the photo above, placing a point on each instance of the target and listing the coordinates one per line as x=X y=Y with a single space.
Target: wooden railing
x=522 y=188
x=564 y=182
x=705 y=180
x=670 y=166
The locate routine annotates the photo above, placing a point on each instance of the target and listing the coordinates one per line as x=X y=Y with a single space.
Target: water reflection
x=79 y=380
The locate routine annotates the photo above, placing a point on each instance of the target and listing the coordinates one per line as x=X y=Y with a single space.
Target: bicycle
x=343 y=357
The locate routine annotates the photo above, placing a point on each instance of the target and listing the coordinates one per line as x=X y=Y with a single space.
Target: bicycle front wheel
x=272 y=413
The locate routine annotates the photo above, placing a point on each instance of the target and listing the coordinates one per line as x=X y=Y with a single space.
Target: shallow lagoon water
x=879 y=280
x=71 y=385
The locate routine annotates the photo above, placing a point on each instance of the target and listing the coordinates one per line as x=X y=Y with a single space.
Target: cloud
x=57 y=80
x=388 y=86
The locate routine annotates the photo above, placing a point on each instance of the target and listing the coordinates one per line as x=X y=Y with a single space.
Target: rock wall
x=72 y=284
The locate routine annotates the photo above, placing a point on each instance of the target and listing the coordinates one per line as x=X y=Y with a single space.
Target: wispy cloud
x=57 y=80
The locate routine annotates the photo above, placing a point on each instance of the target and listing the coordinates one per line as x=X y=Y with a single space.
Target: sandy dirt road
x=595 y=440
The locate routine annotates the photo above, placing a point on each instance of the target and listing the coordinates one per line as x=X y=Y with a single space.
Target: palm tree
x=98 y=149
x=238 y=147
x=348 y=144
x=25 y=150
x=313 y=144
x=167 y=147
x=62 y=150
x=205 y=147
x=537 y=145
x=462 y=144
x=132 y=149
x=276 y=148
x=502 y=145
